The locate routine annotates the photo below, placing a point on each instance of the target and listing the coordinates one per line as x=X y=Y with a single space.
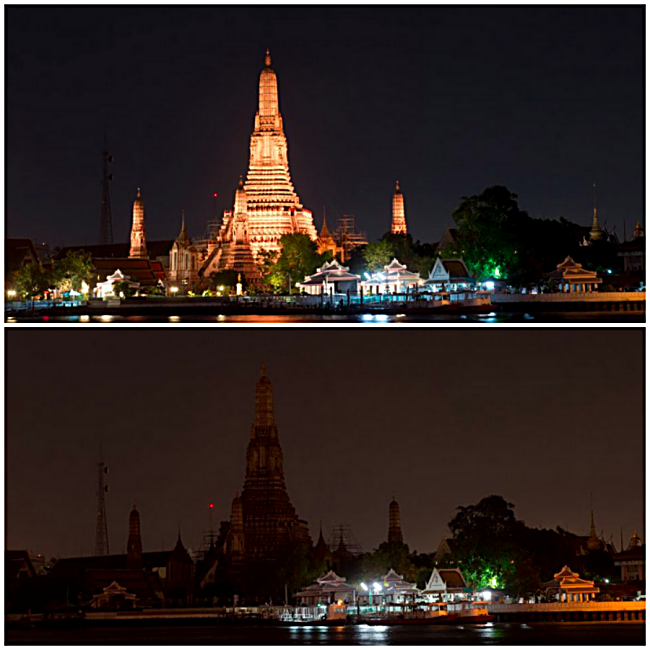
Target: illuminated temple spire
x=273 y=207
x=138 y=238
x=398 y=224
x=394 y=523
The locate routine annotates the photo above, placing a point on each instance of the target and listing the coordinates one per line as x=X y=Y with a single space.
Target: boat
x=471 y=612
x=330 y=615
x=432 y=615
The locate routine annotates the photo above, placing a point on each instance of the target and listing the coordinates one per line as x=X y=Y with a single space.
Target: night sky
x=442 y=417
x=449 y=100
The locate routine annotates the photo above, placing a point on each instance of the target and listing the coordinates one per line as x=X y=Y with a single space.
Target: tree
x=31 y=280
x=75 y=269
x=123 y=287
x=488 y=228
x=298 y=258
x=227 y=279
x=389 y=555
x=484 y=536
x=378 y=254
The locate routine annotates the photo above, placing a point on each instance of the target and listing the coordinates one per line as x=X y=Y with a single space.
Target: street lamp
x=174 y=290
x=11 y=293
x=375 y=587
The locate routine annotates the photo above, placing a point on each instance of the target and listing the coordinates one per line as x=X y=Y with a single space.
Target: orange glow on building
x=138 y=238
x=398 y=225
x=266 y=204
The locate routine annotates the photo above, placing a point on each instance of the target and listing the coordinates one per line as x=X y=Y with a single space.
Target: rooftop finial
x=137 y=196
x=397 y=186
x=267 y=60
x=263 y=370
x=182 y=220
x=241 y=181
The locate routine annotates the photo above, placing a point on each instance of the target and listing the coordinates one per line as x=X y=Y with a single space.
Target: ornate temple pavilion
x=183 y=262
x=449 y=275
x=568 y=587
x=329 y=588
x=446 y=584
x=267 y=206
x=395 y=278
x=570 y=277
x=330 y=279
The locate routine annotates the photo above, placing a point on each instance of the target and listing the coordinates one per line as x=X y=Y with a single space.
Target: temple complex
x=394 y=523
x=266 y=204
x=138 y=237
x=183 y=262
x=398 y=224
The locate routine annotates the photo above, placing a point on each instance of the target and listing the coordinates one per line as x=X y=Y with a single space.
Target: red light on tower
x=212 y=505
x=215 y=195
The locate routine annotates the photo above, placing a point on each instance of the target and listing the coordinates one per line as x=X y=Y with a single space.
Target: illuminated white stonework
x=269 y=206
x=398 y=225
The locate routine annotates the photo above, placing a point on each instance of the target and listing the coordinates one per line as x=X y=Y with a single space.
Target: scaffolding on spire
x=101 y=531
x=342 y=537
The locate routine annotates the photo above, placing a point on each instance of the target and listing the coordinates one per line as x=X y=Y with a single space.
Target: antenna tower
x=106 y=223
x=101 y=534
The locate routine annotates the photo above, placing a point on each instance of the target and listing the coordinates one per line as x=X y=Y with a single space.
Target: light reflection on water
x=583 y=633
x=492 y=317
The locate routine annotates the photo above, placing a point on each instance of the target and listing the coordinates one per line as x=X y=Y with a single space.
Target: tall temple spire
x=270 y=520
x=273 y=207
x=394 y=523
x=138 y=237
x=596 y=231
x=134 y=543
x=398 y=224
x=593 y=542
x=264 y=401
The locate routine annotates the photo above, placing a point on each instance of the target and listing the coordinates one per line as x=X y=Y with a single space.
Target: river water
x=590 y=634
x=493 y=317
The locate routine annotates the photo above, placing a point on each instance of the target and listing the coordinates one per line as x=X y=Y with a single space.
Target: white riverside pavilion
x=330 y=279
x=395 y=278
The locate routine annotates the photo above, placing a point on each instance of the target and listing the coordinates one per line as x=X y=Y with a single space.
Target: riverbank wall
x=569 y=612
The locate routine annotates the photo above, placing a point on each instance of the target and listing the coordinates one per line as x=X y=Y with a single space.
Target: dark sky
x=442 y=417
x=545 y=100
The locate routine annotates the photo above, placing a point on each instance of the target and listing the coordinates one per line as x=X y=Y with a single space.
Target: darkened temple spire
x=264 y=400
x=593 y=542
x=267 y=59
x=134 y=543
x=596 y=231
x=394 y=523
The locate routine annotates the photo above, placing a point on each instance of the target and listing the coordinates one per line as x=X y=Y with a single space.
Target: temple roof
x=330 y=577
